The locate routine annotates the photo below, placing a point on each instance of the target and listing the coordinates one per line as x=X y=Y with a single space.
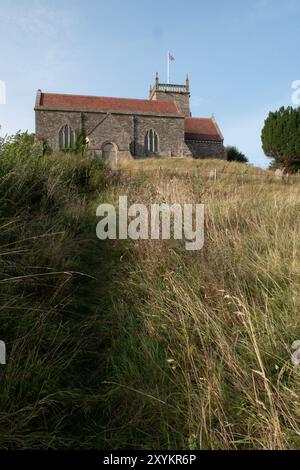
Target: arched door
x=110 y=152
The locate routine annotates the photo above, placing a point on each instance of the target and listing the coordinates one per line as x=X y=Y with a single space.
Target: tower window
x=67 y=137
x=151 y=142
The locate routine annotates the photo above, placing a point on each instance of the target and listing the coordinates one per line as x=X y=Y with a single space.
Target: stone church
x=121 y=128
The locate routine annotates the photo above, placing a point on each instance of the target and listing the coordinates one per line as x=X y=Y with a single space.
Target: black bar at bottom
x=135 y=459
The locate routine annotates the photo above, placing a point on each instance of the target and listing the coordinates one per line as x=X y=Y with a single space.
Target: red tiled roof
x=202 y=129
x=98 y=103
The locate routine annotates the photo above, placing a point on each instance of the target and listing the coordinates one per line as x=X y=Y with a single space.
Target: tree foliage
x=234 y=155
x=281 y=137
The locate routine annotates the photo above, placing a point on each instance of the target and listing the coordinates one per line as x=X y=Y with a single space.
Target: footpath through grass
x=55 y=290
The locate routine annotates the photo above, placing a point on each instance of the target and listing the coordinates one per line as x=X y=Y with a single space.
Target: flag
x=171 y=58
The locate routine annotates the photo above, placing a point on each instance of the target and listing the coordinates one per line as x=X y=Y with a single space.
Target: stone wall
x=105 y=128
x=207 y=149
x=181 y=99
x=170 y=135
x=49 y=123
x=119 y=128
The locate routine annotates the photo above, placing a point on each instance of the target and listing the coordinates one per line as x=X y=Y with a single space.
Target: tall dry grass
x=143 y=345
x=203 y=356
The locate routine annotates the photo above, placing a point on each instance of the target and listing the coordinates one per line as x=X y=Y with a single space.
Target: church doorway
x=110 y=152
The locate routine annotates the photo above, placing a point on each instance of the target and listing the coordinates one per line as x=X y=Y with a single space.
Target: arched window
x=67 y=137
x=151 y=142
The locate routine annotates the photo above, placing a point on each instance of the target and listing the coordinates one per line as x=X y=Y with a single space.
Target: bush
x=234 y=155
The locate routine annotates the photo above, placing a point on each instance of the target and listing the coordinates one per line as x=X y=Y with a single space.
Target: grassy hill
x=141 y=344
x=192 y=166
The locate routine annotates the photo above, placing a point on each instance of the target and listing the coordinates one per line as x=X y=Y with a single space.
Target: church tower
x=170 y=92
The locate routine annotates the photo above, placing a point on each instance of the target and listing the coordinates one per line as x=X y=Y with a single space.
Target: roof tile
x=202 y=129
x=98 y=103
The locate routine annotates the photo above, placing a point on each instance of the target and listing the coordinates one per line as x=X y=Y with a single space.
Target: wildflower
x=170 y=361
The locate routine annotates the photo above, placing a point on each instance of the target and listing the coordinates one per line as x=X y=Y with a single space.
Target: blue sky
x=242 y=57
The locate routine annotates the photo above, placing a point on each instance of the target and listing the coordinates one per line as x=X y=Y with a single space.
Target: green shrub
x=234 y=155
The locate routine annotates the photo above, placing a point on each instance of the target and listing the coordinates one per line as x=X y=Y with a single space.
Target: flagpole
x=168 y=59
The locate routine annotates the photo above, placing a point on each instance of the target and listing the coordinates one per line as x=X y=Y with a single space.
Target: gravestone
x=279 y=174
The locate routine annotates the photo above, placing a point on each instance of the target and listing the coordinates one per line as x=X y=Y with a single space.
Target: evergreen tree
x=281 y=138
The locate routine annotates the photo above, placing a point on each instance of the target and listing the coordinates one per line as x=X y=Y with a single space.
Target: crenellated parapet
x=180 y=94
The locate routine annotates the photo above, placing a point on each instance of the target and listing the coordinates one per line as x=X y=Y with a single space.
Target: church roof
x=98 y=103
x=202 y=129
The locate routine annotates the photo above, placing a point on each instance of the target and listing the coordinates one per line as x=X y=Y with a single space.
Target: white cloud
x=38 y=43
x=37 y=20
